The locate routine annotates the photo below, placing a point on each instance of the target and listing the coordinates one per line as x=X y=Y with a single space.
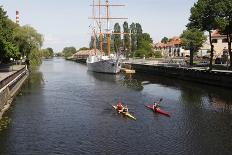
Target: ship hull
x=110 y=66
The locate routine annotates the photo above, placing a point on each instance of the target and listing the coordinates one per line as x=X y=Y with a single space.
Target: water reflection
x=125 y=80
x=200 y=95
x=34 y=81
x=132 y=83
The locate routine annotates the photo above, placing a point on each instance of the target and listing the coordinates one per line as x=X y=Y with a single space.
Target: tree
x=192 y=39
x=7 y=47
x=224 y=21
x=29 y=42
x=203 y=17
x=83 y=48
x=164 y=40
x=139 y=33
x=51 y=52
x=69 y=51
x=145 y=46
x=117 y=37
x=27 y=39
x=133 y=37
x=126 y=37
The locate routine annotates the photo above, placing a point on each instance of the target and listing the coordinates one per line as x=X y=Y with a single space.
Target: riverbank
x=215 y=77
x=10 y=83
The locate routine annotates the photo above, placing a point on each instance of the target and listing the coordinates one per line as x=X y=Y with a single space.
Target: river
x=64 y=109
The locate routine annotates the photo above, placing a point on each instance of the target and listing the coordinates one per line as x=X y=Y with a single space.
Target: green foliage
x=7 y=47
x=47 y=53
x=117 y=37
x=193 y=38
x=35 y=58
x=51 y=52
x=224 y=21
x=203 y=17
x=126 y=37
x=83 y=48
x=133 y=37
x=164 y=40
x=69 y=51
x=157 y=54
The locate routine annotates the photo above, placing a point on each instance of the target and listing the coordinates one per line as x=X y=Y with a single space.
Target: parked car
x=218 y=61
x=203 y=63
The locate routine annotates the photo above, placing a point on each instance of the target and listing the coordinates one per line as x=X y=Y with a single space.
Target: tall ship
x=99 y=62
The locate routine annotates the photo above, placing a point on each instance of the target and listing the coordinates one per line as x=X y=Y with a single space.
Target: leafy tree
x=126 y=37
x=7 y=48
x=69 y=51
x=139 y=33
x=224 y=21
x=91 y=43
x=83 y=48
x=203 y=17
x=29 y=42
x=51 y=52
x=145 y=46
x=133 y=37
x=164 y=40
x=117 y=37
x=192 y=39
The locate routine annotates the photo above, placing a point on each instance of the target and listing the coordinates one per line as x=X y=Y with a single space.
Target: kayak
x=158 y=110
x=125 y=113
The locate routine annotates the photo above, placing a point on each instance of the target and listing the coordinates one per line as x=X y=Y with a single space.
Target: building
x=220 y=43
x=172 y=48
x=82 y=55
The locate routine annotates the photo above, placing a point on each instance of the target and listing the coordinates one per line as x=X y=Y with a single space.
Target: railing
x=11 y=77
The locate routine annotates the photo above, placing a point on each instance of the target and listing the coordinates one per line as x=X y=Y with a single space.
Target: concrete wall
x=216 y=78
x=9 y=91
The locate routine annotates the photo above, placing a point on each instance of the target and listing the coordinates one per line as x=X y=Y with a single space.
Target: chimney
x=17 y=17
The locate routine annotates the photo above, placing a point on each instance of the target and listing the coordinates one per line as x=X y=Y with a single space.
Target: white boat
x=99 y=62
x=103 y=64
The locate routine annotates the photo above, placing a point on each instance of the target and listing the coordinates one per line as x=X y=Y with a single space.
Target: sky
x=66 y=23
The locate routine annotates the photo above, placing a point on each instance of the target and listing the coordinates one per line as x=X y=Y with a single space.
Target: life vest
x=119 y=106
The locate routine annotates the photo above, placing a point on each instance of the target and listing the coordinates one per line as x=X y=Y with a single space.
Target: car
x=218 y=61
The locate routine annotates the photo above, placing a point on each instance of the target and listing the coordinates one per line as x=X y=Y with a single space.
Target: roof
x=86 y=52
x=173 y=41
x=216 y=33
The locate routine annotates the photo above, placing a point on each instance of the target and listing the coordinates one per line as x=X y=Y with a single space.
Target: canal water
x=64 y=109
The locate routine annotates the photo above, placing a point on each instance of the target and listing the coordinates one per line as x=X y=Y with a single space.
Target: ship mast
x=107 y=18
x=94 y=29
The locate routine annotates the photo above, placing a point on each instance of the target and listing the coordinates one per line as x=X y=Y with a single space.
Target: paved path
x=3 y=75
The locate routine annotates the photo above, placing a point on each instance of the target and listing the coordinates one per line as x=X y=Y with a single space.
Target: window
x=224 y=40
x=214 y=40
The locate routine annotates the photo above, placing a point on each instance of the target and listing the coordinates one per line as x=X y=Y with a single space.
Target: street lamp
x=11 y=59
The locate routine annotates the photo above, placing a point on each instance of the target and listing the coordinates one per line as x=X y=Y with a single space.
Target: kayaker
x=125 y=109
x=120 y=107
x=156 y=104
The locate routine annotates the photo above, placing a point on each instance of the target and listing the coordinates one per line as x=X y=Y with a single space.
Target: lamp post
x=11 y=59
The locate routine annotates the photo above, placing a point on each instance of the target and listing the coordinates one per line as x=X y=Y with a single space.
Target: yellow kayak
x=125 y=113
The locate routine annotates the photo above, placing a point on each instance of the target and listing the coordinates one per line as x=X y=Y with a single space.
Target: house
x=172 y=48
x=220 y=43
x=82 y=55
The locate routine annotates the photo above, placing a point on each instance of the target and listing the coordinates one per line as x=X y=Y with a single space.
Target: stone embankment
x=10 y=84
x=221 y=78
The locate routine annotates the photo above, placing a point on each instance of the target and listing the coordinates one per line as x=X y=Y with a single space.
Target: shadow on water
x=192 y=93
x=125 y=80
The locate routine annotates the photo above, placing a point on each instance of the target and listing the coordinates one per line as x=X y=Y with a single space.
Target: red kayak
x=158 y=110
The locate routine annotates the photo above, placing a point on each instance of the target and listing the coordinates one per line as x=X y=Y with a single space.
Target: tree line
x=133 y=42
x=20 y=42
x=206 y=16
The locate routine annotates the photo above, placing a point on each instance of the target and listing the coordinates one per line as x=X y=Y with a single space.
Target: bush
x=158 y=54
